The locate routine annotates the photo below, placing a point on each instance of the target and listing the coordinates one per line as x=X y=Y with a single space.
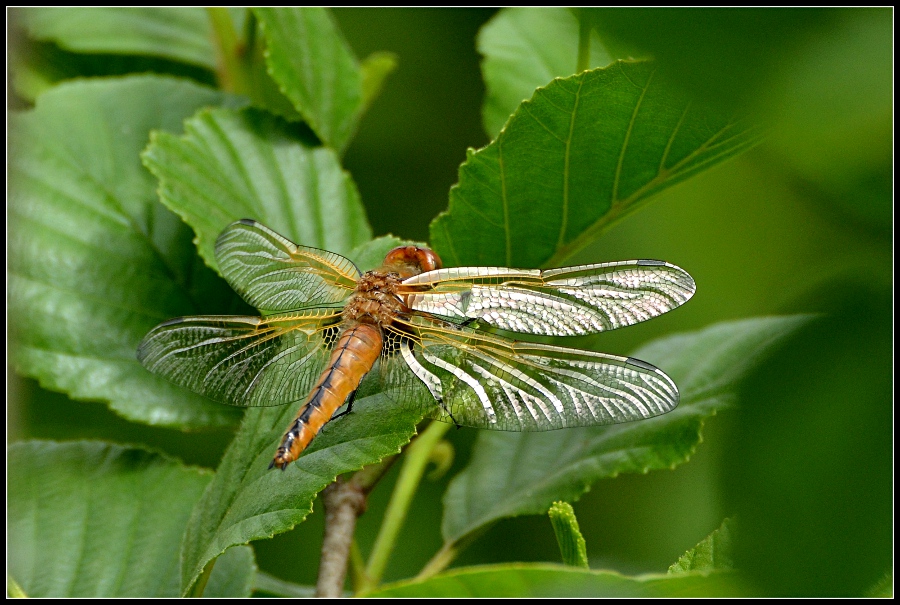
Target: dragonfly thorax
x=409 y=321
x=375 y=299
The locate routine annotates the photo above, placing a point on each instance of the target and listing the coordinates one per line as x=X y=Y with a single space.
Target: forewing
x=490 y=382
x=245 y=361
x=270 y=272
x=557 y=302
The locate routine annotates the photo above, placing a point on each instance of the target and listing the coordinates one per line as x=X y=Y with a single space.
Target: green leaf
x=525 y=48
x=264 y=92
x=267 y=585
x=94 y=260
x=580 y=154
x=247 y=501
x=234 y=574
x=375 y=69
x=714 y=552
x=536 y=580
x=823 y=79
x=38 y=66
x=249 y=164
x=513 y=474
x=178 y=33
x=316 y=70
x=90 y=519
x=568 y=536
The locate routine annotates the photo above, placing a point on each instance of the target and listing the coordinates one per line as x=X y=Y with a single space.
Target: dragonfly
x=424 y=335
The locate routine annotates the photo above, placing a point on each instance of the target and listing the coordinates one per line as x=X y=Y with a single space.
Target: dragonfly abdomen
x=354 y=355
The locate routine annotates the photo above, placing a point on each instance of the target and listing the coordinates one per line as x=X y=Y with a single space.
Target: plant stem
x=357 y=568
x=571 y=542
x=417 y=457
x=439 y=561
x=232 y=68
x=447 y=553
x=344 y=502
x=584 y=44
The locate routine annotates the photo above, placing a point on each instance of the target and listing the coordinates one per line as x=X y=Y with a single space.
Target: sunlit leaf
x=247 y=501
x=375 y=69
x=179 y=33
x=525 y=48
x=514 y=474
x=232 y=165
x=714 y=552
x=542 y=580
x=37 y=66
x=90 y=519
x=315 y=67
x=94 y=260
x=582 y=152
x=264 y=92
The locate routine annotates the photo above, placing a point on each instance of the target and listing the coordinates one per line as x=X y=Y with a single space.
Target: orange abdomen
x=353 y=356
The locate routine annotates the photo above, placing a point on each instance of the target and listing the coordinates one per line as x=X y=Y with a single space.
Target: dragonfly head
x=411 y=260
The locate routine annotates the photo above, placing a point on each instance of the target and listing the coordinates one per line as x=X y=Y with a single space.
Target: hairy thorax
x=375 y=300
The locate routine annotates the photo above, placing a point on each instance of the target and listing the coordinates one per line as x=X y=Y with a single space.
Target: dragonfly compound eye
x=417 y=335
x=412 y=260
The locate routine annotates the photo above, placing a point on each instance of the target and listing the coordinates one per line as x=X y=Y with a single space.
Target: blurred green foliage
x=801 y=224
x=810 y=466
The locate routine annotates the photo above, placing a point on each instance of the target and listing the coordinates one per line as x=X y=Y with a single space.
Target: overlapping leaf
x=316 y=70
x=247 y=501
x=179 y=33
x=714 y=552
x=89 y=519
x=549 y=581
x=513 y=474
x=94 y=260
x=38 y=66
x=525 y=48
x=232 y=165
x=579 y=154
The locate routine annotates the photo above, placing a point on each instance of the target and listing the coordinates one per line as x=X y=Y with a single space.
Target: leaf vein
x=637 y=107
x=527 y=109
x=564 y=223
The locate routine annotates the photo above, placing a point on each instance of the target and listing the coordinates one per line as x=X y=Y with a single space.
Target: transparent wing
x=484 y=381
x=556 y=302
x=245 y=361
x=270 y=272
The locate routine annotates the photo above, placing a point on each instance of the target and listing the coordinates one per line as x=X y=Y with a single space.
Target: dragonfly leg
x=440 y=402
x=350 y=398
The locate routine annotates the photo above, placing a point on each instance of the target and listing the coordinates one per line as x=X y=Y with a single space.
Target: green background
x=799 y=224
